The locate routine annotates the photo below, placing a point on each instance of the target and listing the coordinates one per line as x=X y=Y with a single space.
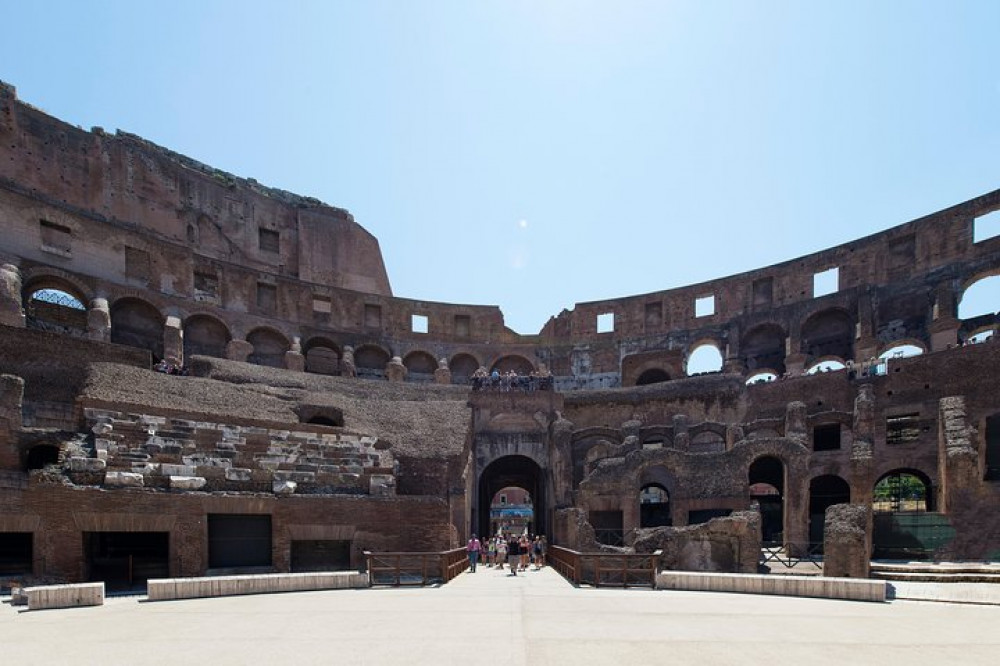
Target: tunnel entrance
x=16 y=553
x=126 y=560
x=510 y=472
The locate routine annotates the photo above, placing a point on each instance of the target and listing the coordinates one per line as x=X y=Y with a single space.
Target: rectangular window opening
x=763 y=292
x=986 y=226
x=373 y=316
x=606 y=322
x=654 y=314
x=269 y=240
x=418 y=323
x=267 y=297
x=136 y=263
x=826 y=282
x=55 y=237
x=704 y=306
x=902 y=428
x=322 y=304
x=826 y=437
x=463 y=326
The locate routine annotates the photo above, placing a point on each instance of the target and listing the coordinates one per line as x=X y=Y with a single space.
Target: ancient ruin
x=204 y=374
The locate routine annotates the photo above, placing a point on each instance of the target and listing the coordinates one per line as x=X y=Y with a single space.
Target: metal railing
x=792 y=555
x=398 y=569
x=606 y=569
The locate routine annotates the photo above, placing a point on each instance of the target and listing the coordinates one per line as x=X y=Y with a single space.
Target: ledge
x=224 y=586
x=65 y=596
x=853 y=589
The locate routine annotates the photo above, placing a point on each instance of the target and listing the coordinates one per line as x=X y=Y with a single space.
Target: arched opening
x=652 y=376
x=136 y=323
x=40 y=456
x=764 y=347
x=981 y=335
x=420 y=366
x=205 y=336
x=707 y=441
x=55 y=308
x=980 y=299
x=992 y=436
x=370 y=361
x=704 y=358
x=322 y=357
x=462 y=367
x=766 y=479
x=761 y=378
x=518 y=364
x=828 y=365
x=824 y=492
x=324 y=421
x=654 y=506
x=903 y=490
x=829 y=333
x=269 y=347
x=513 y=471
x=512 y=511
x=901 y=351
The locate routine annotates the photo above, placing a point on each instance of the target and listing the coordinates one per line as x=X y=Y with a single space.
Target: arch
x=762 y=377
x=595 y=454
x=764 y=346
x=205 y=335
x=980 y=297
x=41 y=456
x=903 y=490
x=652 y=376
x=828 y=364
x=980 y=334
x=824 y=492
x=654 y=506
x=420 y=366
x=371 y=360
x=766 y=487
x=137 y=323
x=269 y=347
x=704 y=358
x=322 y=356
x=511 y=511
x=462 y=367
x=515 y=362
x=828 y=333
x=903 y=348
x=511 y=471
x=54 y=305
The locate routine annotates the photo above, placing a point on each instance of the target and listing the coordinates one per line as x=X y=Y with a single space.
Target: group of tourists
x=168 y=367
x=511 y=381
x=519 y=552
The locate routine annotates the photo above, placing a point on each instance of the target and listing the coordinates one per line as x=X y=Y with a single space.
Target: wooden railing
x=606 y=569
x=415 y=568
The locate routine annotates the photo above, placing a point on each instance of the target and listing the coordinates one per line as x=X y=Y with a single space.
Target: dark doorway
x=654 y=506
x=239 y=541
x=42 y=455
x=993 y=448
x=824 y=492
x=321 y=555
x=15 y=553
x=652 y=376
x=767 y=485
x=511 y=471
x=609 y=527
x=126 y=560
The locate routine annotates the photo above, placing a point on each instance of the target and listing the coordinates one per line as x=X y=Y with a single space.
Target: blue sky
x=535 y=154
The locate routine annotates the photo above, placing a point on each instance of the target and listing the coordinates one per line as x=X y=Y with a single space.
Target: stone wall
x=730 y=544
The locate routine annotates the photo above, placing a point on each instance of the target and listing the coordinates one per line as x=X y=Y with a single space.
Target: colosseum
x=202 y=374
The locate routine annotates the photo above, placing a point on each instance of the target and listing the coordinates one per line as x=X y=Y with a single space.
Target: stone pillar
x=395 y=371
x=11 y=307
x=795 y=422
x=958 y=459
x=734 y=434
x=734 y=361
x=561 y=462
x=99 y=320
x=443 y=373
x=795 y=364
x=11 y=398
x=862 y=444
x=294 y=360
x=173 y=340
x=682 y=440
x=238 y=350
x=945 y=324
x=847 y=541
x=630 y=511
x=347 y=368
x=865 y=342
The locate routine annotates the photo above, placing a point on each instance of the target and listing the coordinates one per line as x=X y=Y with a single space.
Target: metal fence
x=399 y=569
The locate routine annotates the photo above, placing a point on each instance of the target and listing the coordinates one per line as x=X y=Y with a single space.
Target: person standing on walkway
x=513 y=554
x=472 y=549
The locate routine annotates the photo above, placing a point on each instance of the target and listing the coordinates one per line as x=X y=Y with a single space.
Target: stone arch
x=824 y=491
x=462 y=366
x=137 y=323
x=56 y=305
x=322 y=356
x=515 y=362
x=904 y=489
x=269 y=347
x=980 y=296
x=652 y=376
x=763 y=348
x=826 y=364
x=656 y=485
x=707 y=437
x=828 y=333
x=371 y=360
x=47 y=277
x=703 y=356
x=420 y=366
x=507 y=471
x=766 y=486
x=205 y=335
x=903 y=342
x=762 y=376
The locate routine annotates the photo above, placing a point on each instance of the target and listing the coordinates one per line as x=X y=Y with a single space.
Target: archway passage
x=652 y=376
x=512 y=511
x=766 y=478
x=205 y=336
x=654 y=506
x=41 y=455
x=824 y=492
x=126 y=560
x=16 y=554
x=55 y=309
x=511 y=472
x=136 y=323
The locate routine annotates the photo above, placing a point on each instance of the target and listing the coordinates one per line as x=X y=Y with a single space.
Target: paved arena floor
x=535 y=619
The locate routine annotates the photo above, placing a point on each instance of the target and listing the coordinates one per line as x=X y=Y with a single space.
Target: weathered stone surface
x=187 y=482
x=238 y=474
x=847 y=541
x=80 y=464
x=730 y=544
x=284 y=487
x=124 y=479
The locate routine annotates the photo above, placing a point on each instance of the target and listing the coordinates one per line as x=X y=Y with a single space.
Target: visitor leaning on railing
x=510 y=381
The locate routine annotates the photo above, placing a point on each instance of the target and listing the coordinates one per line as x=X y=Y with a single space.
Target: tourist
x=472 y=549
x=501 y=551
x=524 y=545
x=536 y=552
x=491 y=552
x=543 y=548
x=513 y=554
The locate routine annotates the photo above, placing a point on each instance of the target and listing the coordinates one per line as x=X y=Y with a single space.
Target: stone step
x=933 y=568
x=942 y=577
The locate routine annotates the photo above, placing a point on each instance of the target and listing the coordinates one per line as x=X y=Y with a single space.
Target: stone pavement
x=536 y=618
